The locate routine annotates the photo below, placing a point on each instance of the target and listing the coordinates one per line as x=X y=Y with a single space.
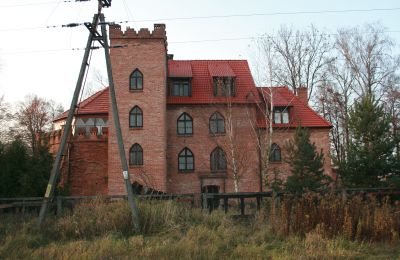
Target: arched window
x=185 y=124
x=136 y=155
x=136 y=117
x=218 y=160
x=217 y=123
x=136 y=80
x=275 y=153
x=186 y=161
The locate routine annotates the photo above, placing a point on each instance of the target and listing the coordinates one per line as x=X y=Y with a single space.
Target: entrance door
x=211 y=203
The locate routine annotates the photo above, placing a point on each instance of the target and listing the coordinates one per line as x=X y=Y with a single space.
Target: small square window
x=181 y=88
x=281 y=115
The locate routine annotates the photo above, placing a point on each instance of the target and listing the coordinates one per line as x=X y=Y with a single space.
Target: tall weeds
x=357 y=218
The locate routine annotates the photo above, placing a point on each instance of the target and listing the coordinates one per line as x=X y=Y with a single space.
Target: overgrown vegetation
x=23 y=172
x=306 y=227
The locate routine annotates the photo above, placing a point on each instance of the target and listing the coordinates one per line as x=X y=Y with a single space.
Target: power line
x=41 y=3
x=270 y=14
x=61 y=50
x=172 y=42
x=216 y=17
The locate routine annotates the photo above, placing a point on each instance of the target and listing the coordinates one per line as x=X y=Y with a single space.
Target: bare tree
x=368 y=52
x=298 y=57
x=97 y=82
x=392 y=105
x=34 y=116
x=236 y=155
x=364 y=64
x=334 y=99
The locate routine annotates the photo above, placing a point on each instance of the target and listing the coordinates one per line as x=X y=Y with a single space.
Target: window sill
x=217 y=134
x=277 y=162
x=219 y=172
x=185 y=135
x=135 y=90
x=131 y=166
x=185 y=172
x=136 y=128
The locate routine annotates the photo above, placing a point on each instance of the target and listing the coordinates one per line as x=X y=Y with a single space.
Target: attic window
x=281 y=115
x=224 y=86
x=181 y=88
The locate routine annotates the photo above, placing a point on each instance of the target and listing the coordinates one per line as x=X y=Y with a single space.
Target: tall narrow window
x=136 y=117
x=136 y=155
x=217 y=123
x=136 y=80
x=186 y=161
x=218 y=160
x=185 y=124
x=281 y=115
x=275 y=153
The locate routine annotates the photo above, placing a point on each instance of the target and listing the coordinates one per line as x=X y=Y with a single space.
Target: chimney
x=302 y=94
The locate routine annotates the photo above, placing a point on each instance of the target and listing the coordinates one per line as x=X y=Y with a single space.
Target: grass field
x=99 y=230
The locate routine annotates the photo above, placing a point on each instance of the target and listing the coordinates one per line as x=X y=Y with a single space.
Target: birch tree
x=298 y=57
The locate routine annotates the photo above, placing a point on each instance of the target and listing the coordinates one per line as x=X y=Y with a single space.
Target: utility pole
x=102 y=38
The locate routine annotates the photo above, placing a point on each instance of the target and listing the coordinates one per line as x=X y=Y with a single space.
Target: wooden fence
x=60 y=202
x=209 y=201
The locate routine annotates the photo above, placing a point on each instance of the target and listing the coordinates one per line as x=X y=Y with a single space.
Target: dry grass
x=356 y=218
x=310 y=227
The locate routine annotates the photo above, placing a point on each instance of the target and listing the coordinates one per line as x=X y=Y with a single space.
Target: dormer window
x=181 y=88
x=224 y=86
x=281 y=115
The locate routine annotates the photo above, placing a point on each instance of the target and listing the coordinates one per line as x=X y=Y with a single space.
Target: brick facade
x=84 y=163
x=94 y=167
x=146 y=52
x=202 y=143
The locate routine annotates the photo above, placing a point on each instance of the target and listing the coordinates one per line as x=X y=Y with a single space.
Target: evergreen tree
x=14 y=164
x=370 y=160
x=306 y=163
x=22 y=173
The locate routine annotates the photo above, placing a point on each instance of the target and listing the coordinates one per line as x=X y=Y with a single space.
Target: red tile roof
x=202 y=93
x=180 y=69
x=93 y=105
x=220 y=69
x=300 y=112
x=202 y=83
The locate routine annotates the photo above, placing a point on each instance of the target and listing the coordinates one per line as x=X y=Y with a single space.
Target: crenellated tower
x=139 y=72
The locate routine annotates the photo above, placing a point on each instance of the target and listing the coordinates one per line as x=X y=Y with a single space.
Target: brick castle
x=188 y=126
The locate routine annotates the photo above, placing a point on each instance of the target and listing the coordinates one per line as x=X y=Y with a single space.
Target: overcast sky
x=39 y=60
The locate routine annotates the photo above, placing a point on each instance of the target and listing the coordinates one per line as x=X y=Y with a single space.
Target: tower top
x=158 y=32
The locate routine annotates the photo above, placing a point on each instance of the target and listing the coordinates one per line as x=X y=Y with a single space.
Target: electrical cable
x=42 y=3
x=84 y=79
x=172 y=42
x=216 y=17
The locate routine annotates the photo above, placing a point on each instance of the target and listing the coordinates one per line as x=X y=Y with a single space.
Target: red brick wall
x=202 y=143
x=88 y=164
x=147 y=52
x=84 y=164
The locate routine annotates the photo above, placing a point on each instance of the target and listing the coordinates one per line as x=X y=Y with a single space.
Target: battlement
x=81 y=134
x=144 y=33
